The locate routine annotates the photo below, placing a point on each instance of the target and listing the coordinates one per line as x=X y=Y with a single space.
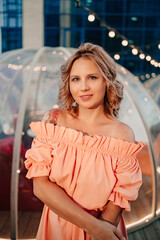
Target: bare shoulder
x=125 y=132
x=51 y=116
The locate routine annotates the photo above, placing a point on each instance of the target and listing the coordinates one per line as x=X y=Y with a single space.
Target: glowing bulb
x=156 y=64
x=125 y=43
x=130 y=110
x=142 y=77
x=116 y=56
x=148 y=58
x=123 y=70
x=158 y=169
x=65 y=58
x=91 y=17
x=159 y=45
x=56 y=106
x=147 y=76
x=36 y=69
x=159 y=65
x=152 y=62
x=44 y=68
x=153 y=74
x=111 y=34
x=134 y=51
x=141 y=56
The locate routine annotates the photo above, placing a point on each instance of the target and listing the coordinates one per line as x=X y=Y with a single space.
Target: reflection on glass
x=153 y=87
x=142 y=207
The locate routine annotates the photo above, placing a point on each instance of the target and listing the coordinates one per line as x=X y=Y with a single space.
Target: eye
x=75 y=79
x=93 y=77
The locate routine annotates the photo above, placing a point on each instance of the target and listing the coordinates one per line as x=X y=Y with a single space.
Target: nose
x=84 y=85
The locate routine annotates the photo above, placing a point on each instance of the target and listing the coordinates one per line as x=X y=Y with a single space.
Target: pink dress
x=92 y=170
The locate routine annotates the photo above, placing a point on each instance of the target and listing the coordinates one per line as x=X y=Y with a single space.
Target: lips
x=86 y=97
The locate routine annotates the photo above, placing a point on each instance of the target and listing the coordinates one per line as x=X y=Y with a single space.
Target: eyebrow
x=90 y=74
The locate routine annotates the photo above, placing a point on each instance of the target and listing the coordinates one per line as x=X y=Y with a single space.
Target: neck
x=91 y=116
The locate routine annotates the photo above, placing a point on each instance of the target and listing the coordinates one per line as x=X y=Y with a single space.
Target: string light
x=91 y=17
x=116 y=56
x=142 y=56
x=44 y=68
x=125 y=43
x=152 y=62
x=153 y=74
x=111 y=34
x=142 y=77
x=134 y=51
x=147 y=75
x=148 y=58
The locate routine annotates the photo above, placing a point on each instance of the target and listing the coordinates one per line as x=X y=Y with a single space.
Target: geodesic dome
x=29 y=87
x=153 y=87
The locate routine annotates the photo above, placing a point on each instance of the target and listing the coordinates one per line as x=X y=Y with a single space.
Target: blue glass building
x=10 y=24
x=68 y=26
x=137 y=20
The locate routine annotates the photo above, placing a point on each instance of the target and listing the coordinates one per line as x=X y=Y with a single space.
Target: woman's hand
x=106 y=231
x=60 y=203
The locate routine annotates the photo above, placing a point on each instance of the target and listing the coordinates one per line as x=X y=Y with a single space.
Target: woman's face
x=87 y=84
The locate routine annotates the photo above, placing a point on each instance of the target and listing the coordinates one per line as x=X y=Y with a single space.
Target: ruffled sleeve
x=39 y=157
x=128 y=175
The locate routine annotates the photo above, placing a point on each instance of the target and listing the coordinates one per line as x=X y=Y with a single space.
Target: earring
x=74 y=104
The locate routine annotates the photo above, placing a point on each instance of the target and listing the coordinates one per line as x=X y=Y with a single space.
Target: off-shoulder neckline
x=90 y=137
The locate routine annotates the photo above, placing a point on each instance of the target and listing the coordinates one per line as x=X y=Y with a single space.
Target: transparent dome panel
x=129 y=115
x=150 y=115
x=41 y=69
x=45 y=82
x=13 y=84
x=153 y=87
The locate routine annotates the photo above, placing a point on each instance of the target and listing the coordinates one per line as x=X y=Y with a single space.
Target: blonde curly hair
x=106 y=65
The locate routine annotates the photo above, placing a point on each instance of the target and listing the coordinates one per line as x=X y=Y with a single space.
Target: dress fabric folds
x=92 y=170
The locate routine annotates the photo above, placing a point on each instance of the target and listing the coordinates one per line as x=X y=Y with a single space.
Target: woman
x=83 y=160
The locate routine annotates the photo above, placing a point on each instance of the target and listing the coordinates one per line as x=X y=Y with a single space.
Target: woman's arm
x=60 y=203
x=111 y=213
